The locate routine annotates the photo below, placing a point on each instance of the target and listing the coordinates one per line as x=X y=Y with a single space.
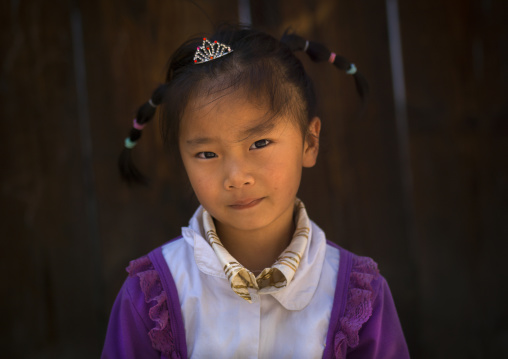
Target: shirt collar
x=292 y=279
x=270 y=280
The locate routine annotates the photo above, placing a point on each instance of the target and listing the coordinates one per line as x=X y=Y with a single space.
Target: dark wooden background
x=74 y=72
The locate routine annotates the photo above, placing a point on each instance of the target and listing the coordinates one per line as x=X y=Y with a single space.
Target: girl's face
x=245 y=171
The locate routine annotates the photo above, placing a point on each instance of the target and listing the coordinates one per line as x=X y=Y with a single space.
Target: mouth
x=246 y=203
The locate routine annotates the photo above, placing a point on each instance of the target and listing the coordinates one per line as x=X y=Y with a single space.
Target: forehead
x=235 y=115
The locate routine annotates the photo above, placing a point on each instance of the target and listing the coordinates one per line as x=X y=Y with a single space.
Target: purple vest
x=363 y=322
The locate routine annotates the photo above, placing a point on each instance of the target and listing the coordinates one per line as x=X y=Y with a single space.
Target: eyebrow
x=259 y=129
x=200 y=141
x=264 y=127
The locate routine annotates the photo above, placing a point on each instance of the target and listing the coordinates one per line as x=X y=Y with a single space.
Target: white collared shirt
x=289 y=323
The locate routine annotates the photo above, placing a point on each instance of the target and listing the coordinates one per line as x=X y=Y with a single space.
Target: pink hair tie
x=332 y=57
x=138 y=126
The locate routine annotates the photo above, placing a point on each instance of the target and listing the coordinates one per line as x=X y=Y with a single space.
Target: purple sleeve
x=381 y=336
x=129 y=324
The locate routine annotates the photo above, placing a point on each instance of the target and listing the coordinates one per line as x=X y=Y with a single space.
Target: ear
x=311 y=144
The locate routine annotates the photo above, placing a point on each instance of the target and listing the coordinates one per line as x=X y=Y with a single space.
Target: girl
x=251 y=276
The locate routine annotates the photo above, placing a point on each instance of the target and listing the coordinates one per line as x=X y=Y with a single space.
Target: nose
x=237 y=174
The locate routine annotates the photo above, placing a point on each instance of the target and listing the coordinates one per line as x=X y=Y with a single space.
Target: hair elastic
x=351 y=70
x=306 y=46
x=152 y=104
x=137 y=125
x=129 y=143
x=332 y=57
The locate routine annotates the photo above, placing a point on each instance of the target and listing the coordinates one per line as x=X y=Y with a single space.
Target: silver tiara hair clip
x=210 y=51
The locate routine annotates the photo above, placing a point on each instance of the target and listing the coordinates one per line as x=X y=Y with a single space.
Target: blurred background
x=418 y=182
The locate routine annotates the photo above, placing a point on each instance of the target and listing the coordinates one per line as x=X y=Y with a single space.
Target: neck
x=257 y=249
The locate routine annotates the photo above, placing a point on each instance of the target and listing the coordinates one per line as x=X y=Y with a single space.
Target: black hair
x=319 y=53
x=260 y=65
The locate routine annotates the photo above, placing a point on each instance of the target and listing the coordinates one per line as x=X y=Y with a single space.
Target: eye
x=260 y=144
x=206 y=155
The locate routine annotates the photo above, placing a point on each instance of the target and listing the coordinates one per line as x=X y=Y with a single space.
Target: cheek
x=284 y=175
x=200 y=182
x=204 y=191
x=196 y=177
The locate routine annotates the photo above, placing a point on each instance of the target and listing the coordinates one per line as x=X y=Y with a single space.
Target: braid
x=128 y=169
x=319 y=53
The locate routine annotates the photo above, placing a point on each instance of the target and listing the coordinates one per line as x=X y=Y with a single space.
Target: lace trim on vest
x=360 y=297
x=161 y=334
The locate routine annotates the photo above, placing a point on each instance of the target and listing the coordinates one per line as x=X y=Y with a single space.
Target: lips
x=246 y=203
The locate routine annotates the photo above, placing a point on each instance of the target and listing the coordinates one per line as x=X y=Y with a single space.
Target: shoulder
x=145 y=284
x=150 y=287
x=148 y=273
x=356 y=270
x=366 y=318
x=139 y=267
x=177 y=248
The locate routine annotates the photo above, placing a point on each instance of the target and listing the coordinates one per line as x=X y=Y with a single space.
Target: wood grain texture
x=70 y=227
x=456 y=55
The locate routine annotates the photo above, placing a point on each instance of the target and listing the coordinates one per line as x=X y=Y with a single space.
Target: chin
x=246 y=224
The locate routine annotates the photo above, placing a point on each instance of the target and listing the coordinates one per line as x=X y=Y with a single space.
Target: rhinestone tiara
x=210 y=51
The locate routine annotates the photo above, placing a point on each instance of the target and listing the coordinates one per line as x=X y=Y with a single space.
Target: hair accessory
x=152 y=104
x=210 y=51
x=129 y=143
x=306 y=45
x=332 y=57
x=138 y=126
x=351 y=70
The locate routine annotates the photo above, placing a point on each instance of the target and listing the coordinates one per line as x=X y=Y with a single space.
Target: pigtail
x=319 y=53
x=128 y=170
